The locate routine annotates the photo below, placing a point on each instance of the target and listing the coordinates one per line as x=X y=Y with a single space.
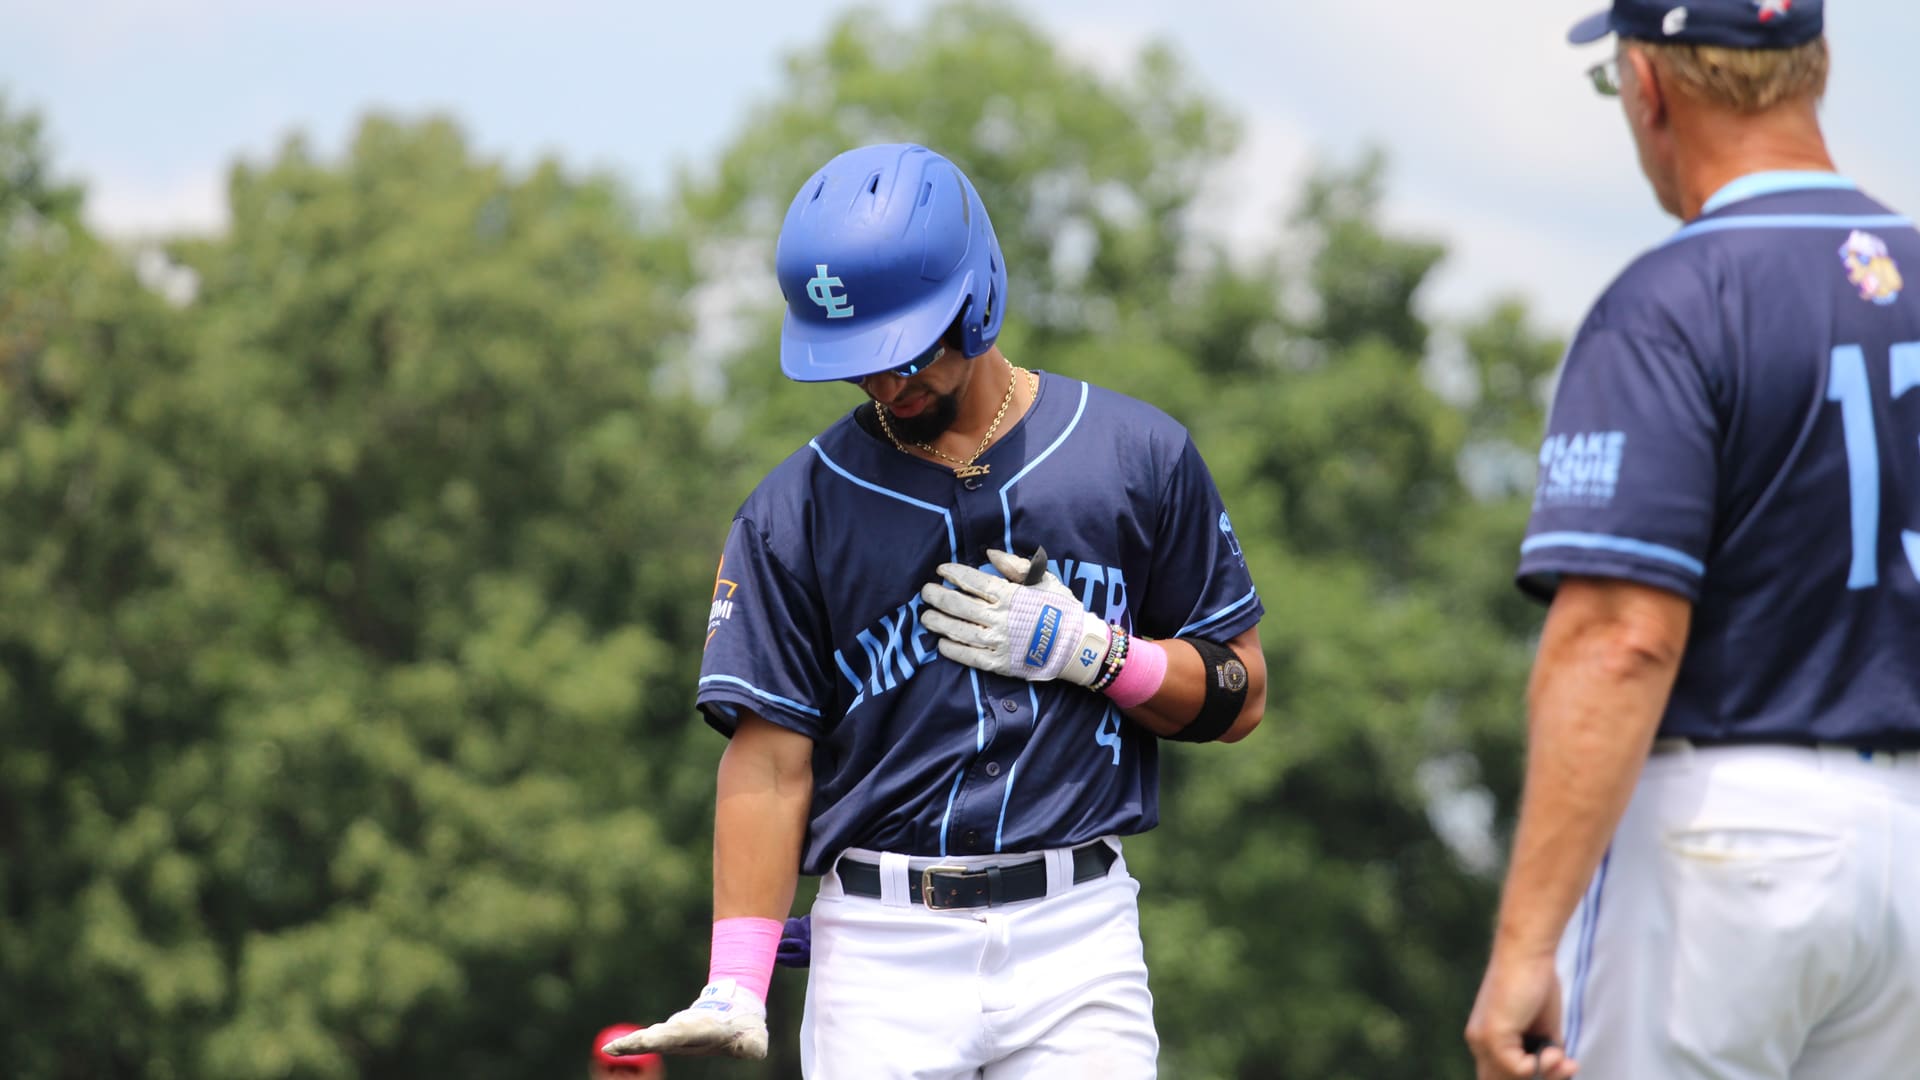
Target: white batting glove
x=724 y=1021
x=1034 y=632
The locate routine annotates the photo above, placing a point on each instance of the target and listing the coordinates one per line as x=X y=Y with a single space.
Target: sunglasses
x=912 y=367
x=1605 y=76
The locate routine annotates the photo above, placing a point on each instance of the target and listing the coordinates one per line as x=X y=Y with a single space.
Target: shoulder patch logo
x=723 y=591
x=1233 y=542
x=1580 y=469
x=1870 y=267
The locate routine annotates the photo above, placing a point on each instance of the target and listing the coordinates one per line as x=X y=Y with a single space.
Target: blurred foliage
x=351 y=598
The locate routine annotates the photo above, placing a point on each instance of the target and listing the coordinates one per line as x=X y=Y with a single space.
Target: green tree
x=350 y=606
x=86 y=354
x=347 y=628
x=451 y=462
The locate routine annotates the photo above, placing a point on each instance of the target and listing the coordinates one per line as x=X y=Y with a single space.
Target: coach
x=1719 y=845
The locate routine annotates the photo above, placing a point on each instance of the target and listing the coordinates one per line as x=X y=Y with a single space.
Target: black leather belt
x=1673 y=743
x=950 y=886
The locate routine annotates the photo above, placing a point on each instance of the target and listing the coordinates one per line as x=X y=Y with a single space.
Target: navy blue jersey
x=1733 y=424
x=816 y=624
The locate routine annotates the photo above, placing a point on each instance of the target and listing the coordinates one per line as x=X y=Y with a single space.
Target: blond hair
x=1744 y=80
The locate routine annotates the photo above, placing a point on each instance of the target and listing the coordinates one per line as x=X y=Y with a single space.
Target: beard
x=931 y=422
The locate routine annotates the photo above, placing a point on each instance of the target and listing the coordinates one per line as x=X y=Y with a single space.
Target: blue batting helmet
x=883 y=249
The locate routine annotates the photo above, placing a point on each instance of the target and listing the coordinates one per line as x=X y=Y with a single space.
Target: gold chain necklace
x=967 y=468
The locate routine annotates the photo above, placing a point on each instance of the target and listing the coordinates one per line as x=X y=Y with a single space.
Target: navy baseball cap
x=1733 y=24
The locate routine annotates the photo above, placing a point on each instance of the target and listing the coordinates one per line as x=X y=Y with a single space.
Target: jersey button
x=972 y=483
x=993 y=768
x=1009 y=704
x=971 y=840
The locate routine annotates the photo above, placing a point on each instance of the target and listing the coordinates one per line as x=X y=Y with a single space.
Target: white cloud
x=128 y=205
x=1246 y=203
x=1557 y=266
x=1108 y=45
x=1493 y=87
x=1495 y=142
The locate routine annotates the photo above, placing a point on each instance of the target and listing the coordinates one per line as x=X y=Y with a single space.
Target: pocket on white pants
x=1761 y=938
x=1730 y=845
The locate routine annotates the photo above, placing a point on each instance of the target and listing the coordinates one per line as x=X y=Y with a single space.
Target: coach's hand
x=1036 y=632
x=724 y=1021
x=1514 y=1031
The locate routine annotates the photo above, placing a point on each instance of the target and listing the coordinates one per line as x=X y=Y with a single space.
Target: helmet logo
x=820 y=289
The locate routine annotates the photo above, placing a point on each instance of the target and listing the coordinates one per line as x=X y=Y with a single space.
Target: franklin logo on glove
x=1041 y=646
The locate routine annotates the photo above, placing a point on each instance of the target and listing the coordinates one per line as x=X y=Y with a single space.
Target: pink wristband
x=743 y=950
x=1140 y=677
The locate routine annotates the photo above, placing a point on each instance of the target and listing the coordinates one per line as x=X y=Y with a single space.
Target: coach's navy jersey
x=1733 y=424
x=816 y=624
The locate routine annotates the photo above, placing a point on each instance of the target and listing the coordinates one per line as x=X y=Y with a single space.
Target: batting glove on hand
x=725 y=1021
x=1034 y=631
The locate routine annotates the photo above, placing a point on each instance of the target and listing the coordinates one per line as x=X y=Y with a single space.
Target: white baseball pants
x=1052 y=988
x=1757 y=918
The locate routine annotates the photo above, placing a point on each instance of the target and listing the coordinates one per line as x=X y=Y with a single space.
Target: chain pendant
x=964 y=470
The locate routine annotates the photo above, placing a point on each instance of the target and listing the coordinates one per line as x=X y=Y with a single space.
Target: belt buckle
x=927 y=892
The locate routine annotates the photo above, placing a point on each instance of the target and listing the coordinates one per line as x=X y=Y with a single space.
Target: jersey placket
x=980 y=800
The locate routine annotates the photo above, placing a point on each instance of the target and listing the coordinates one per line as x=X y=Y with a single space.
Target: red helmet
x=630 y=1061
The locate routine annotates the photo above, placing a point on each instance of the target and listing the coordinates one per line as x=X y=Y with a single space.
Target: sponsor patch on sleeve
x=1582 y=469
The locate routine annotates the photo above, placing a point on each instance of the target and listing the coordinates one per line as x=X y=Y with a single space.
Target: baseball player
x=1714 y=872
x=952 y=729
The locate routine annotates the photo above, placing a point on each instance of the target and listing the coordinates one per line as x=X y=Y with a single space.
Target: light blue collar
x=1766 y=183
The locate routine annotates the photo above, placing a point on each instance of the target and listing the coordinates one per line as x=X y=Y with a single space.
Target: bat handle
x=1533 y=1044
x=1036 y=566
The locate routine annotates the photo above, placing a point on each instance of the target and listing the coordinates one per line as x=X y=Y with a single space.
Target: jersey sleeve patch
x=760 y=627
x=1629 y=469
x=1201 y=585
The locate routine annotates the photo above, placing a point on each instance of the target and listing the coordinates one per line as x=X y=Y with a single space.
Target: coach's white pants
x=1757 y=918
x=1053 y=988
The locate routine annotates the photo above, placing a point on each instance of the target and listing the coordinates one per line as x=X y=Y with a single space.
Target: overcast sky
x=1497 y=145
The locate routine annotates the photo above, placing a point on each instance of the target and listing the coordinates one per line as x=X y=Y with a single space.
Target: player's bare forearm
x=760 y=819
x=1607 y=661
x=1181 y=695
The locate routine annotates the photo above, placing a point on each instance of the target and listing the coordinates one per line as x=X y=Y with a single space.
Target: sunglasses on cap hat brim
x=909 y=369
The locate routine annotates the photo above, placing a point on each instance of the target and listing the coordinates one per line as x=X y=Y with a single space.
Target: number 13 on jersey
x=1847 y=384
